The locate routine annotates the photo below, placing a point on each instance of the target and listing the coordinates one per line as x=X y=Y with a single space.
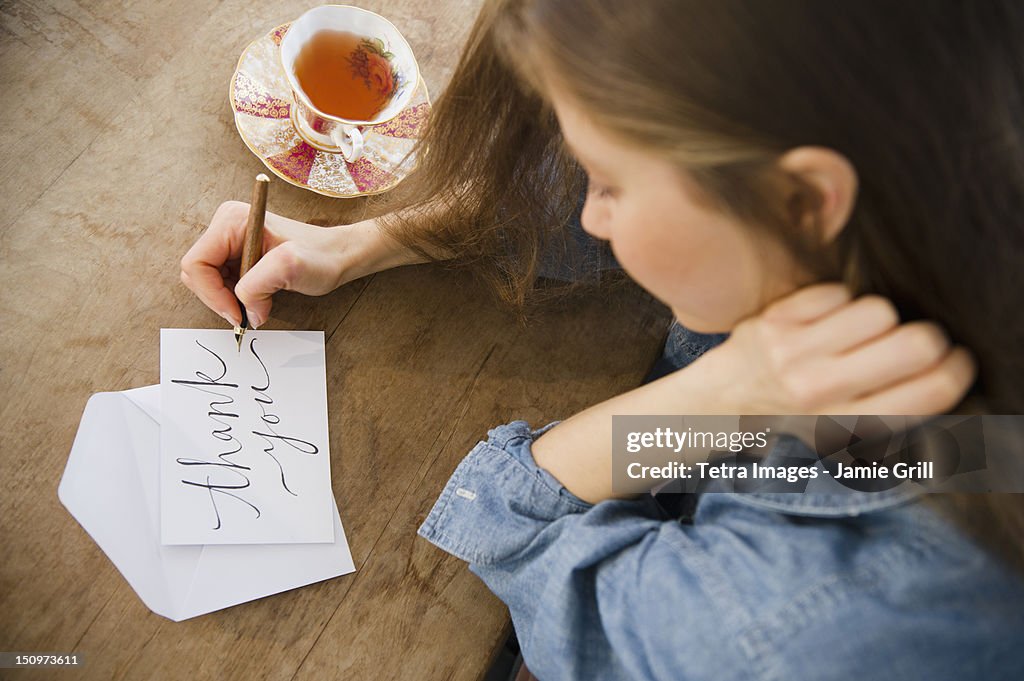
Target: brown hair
x=925 y=99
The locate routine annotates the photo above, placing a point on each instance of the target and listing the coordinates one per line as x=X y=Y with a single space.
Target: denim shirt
x=741 y=586
x=719 y=585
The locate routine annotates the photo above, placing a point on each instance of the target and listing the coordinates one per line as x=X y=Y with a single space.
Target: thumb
x=272 y=273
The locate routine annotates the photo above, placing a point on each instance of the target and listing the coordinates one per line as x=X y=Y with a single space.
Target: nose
x=595 y=219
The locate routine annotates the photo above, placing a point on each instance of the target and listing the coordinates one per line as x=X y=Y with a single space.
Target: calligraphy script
x=244 y=438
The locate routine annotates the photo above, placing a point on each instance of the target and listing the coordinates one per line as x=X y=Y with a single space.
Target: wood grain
x=120 y=145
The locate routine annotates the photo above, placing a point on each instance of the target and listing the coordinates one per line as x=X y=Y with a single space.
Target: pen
x=252 y=249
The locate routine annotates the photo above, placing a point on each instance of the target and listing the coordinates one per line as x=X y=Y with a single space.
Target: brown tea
x=346 y=75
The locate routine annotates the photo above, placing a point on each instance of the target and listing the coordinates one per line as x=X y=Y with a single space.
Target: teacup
x=333 y=133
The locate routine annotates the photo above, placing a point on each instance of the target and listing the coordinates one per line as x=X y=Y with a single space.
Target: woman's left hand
x=818 y=351
x=813 y=352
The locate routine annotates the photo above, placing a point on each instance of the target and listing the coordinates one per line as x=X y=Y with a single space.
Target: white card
x=244 y=453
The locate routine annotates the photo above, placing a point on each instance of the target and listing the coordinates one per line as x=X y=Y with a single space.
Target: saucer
x=261 y=99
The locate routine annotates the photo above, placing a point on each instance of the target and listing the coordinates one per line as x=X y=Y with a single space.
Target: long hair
x=926 y=100
x=493 y=189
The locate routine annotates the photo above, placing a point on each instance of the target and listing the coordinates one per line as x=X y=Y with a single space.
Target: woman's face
x=707 y=266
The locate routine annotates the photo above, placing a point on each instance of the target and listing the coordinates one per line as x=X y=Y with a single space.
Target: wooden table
x=119 y=145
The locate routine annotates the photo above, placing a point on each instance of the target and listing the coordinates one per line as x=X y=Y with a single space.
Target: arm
x=813 y=352
x=587 y=587
x=297 y=257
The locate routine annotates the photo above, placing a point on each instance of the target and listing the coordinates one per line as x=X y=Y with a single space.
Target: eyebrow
x=572 y=152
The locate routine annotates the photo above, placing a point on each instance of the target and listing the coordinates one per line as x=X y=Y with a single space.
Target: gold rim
x=323 y=192
x=297 y=92
x=298 y=131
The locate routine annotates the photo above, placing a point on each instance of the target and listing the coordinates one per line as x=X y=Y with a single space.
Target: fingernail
x=228 y=319
x=254 y=320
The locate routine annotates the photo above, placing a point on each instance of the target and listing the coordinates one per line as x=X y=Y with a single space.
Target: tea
x=346 y=75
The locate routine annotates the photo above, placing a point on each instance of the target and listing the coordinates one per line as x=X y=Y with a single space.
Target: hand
x=296 y=257
x=817 y=351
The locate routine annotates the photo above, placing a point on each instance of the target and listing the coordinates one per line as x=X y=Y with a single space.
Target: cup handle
x=350 y=139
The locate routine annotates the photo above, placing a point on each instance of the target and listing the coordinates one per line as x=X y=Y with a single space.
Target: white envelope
x=111 y=485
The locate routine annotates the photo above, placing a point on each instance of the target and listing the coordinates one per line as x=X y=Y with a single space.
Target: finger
x=808 y=303
x=222 y=241
x=849 y=326
x=211 y=289
x=900 y=354
x=934 y=391
x=274 y=272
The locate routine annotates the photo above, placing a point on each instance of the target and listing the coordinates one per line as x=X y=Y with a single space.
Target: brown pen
x=252 y=249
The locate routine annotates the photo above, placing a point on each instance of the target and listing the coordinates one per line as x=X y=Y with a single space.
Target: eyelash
x=601 y=191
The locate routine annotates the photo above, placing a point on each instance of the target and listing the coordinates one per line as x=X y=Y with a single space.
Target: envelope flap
x=147 y=399
x=102 y=489
x=110 y=487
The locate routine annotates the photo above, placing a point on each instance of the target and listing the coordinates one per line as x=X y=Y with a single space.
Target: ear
x=831 y=179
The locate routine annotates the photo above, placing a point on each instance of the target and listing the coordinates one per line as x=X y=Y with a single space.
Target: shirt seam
x=539 y=474
x=431 y=528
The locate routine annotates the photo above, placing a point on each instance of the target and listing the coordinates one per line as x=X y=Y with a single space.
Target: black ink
x=294 y=442
x=220 y=490
x=204 y=462
x=206 y=380
x=280 y=468
x=264 y=399
x=225 y=417
x=219 y=414
x=266 y=374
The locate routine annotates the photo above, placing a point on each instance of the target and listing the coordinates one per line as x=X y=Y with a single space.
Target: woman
x=739 y=153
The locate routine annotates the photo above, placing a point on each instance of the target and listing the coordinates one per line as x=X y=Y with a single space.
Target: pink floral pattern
x=295 y=163
x=251 y=99
x=262 y=100
x=367 y=176
x=277 y=35
x=408 y=124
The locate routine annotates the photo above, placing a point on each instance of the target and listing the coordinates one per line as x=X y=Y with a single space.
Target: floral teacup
x=384 y=56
